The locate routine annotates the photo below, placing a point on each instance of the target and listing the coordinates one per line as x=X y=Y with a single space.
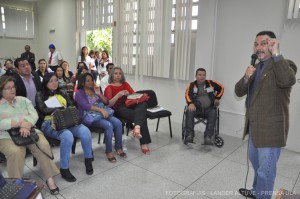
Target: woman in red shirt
x=136 y=114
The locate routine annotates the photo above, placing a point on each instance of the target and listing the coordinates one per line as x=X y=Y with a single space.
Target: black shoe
x=67 y=175
x=53 y=191
x=208 y=140
x=88 y=166
x=189 y=139
x=247 y=193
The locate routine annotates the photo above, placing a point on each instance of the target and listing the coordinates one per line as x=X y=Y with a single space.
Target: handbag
x=65 y=118
x=89 y=115
x=136 y=99
x=23 y=141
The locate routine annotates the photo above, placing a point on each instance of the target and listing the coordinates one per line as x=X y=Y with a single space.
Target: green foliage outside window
x=99 y=40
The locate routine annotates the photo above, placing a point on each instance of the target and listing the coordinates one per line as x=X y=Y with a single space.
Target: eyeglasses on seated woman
x=18 y=112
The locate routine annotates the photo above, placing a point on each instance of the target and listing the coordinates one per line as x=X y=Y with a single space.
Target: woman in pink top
x=136 y=114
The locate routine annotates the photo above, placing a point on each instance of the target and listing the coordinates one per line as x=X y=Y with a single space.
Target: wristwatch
x=276 y=54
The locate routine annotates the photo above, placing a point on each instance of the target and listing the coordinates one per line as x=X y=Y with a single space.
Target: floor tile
x=172 y=170
x=178 y=163
x=223 y=181
x=125 y=181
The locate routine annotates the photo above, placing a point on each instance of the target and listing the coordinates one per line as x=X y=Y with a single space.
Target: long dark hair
x=82 y=78
x=82 y=55
x=46 y=91
x=63 y=76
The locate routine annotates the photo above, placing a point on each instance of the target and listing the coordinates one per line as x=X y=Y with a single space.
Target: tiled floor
x=172 y=170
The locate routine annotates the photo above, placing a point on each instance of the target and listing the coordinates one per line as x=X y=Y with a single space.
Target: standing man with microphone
x=268 y=86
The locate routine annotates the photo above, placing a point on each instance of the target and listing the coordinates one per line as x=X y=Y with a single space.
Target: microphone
x=253 y=60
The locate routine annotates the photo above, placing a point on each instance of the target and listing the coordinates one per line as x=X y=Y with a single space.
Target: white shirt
x=88 y=60
x=56 y=56
x=104 y=82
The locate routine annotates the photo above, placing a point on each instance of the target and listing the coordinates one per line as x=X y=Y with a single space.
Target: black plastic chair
x=153 y=103
x=218 y=141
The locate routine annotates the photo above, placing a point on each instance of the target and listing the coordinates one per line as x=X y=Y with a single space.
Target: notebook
x=15 y=189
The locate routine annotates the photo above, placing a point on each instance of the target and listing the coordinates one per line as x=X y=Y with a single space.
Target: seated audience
x=42 y=69
x=9 y=67
x=202 y=96
x=67 y=72
x=8 y=64
x=97 y=58
x=60 y=74
x=104 y=81
x=2 y=71
x=103 y=62
x=136 y=114
x=66 y=136
x=94 y=71
x=27 y=82
x=80 y=65
x=18 y=112
x=87 y=101
x=80 y=71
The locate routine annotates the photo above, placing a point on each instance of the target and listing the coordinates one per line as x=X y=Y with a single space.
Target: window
x=186 y=14
x=94 y=14
x=294 y=7
x=2 y=21
x=17 y=23
x=152 y=37
x=194 y=20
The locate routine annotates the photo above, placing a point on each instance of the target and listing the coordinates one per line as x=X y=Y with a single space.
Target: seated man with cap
x=54 y=58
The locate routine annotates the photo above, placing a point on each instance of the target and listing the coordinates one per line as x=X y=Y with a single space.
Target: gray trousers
x=209 y=113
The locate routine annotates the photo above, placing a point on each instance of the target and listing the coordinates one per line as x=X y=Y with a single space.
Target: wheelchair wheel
x=219 y=142
x=183 y=126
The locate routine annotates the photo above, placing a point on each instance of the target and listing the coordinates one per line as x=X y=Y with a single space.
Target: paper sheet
x=155 y=109
x=52 y=102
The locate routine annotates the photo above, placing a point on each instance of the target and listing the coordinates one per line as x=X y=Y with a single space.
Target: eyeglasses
x=9 y=88
x=262 y=43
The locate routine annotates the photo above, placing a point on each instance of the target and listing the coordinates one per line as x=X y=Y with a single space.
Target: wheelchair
x=218 y=141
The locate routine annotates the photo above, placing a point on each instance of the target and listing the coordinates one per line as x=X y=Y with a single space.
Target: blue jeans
x=264 y=162
x=111 y=125
x=66 y=138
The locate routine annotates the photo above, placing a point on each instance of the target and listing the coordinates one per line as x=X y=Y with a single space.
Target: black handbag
x=23 y=141
x=65 y=118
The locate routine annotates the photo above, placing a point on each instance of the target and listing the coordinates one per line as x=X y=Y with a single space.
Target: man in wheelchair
x=202 y=96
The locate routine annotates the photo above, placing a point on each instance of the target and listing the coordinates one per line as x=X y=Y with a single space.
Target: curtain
x=155 y=46
x=183 y=34
x=94 y=14
x=293 y=12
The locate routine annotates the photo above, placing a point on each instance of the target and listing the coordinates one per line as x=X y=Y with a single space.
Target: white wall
x=61 y=16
